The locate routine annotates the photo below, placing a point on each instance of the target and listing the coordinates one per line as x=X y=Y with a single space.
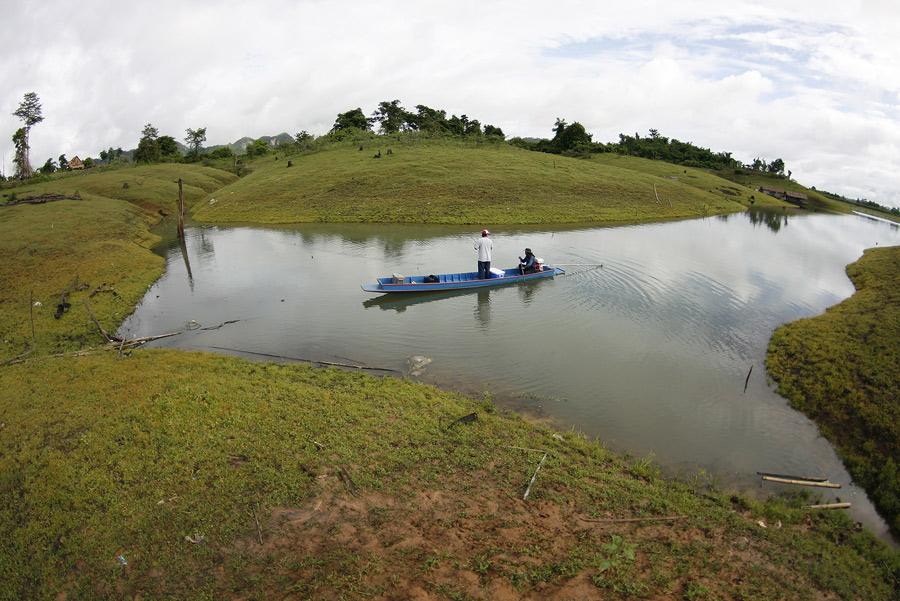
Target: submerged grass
x=843 y=370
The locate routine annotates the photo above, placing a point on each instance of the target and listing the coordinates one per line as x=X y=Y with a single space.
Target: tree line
x=391 y=118
x=571 y=139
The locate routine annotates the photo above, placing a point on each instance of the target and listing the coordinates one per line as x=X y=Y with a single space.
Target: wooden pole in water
x=801 y=482
x=828 y=506
x=180 y=210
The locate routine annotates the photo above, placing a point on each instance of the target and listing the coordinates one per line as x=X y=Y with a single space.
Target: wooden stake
x=32 y=320
x=828 y=506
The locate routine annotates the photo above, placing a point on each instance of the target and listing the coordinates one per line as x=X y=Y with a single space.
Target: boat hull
x=458 y=281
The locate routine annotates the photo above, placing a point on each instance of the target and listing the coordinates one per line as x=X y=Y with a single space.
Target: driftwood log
x=802 y=482
x=35 y=200
x=109 y=337
x=112 y=346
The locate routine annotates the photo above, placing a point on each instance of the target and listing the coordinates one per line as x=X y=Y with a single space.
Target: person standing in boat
x=484 y=246
x=528 y=264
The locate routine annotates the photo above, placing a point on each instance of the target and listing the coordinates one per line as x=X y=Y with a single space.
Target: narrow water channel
x=646 y=343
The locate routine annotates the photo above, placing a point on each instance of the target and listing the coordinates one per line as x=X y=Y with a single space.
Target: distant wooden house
x=798 y=198
x=75 y=164
x=775 y=192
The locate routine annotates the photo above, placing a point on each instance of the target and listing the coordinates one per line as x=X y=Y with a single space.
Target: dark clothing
x=528 y=265
x=484 y=270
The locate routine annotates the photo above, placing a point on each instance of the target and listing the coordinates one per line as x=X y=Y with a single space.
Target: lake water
x=649 y=352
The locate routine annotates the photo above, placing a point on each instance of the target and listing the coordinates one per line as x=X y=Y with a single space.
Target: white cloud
x=814 y=83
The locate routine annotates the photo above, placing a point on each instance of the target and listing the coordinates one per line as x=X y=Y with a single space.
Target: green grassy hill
x=96 y=242
x=734 y=184
x=455 y=183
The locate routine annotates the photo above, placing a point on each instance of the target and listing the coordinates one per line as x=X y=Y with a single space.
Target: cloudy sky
x=814 y=82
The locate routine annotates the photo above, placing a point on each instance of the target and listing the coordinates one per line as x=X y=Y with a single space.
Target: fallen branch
x=109 y=347
x=346 y=479
x=236 y=350
x=665 y=519
x=530 y=484
x=256 y=519
x=39 y=199
x=801 y=482
x=828 y=506
x=524 y=449
x=224 y=323
x=810 y=479
x=108 y=337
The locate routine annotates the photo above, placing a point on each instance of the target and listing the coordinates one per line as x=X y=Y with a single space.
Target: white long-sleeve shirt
x=484 y=246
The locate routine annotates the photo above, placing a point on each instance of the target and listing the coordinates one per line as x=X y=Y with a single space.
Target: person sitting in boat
x=528 y=264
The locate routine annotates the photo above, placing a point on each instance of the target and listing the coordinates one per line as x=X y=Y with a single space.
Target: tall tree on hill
x=21 y=159
x=168 y=147
x=777 y=167
x=148 y=147
x=29 y=111
x=351 y=119
x=391 y=117
x=194 y=139
x=569 y=136
x=49 y=167
x=491 y=131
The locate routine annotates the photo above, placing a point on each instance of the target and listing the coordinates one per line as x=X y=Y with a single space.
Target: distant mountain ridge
x=240 y=146
x=237 y=147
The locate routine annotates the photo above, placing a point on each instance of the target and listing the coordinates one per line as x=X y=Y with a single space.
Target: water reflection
x=187 y=263
x=650 y=352
x=774 y=220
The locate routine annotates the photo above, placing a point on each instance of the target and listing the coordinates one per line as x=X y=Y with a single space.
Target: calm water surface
x=649 y=352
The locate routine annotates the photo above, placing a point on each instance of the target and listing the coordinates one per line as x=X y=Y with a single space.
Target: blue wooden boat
x=457 y=281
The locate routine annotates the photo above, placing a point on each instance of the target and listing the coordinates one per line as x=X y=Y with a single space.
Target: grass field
x=843 y=370
x=166 y=474
x=453 y=183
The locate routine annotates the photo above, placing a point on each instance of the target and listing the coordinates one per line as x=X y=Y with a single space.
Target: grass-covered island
x=129 y=473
